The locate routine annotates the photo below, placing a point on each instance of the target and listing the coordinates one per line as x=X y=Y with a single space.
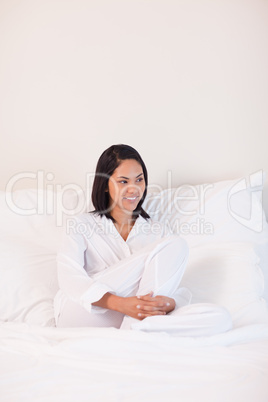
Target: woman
x=117 y=267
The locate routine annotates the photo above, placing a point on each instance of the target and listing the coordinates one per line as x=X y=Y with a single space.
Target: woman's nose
x=132 y=189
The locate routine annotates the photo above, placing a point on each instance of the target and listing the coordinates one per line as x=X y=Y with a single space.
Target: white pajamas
x=94 y=259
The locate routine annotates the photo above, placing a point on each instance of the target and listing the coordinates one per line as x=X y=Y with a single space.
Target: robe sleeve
x=73 y=279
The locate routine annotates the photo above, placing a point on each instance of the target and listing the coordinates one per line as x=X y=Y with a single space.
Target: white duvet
x=98 y=364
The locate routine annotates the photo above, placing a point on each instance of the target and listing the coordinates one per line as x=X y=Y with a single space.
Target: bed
x=227 y=233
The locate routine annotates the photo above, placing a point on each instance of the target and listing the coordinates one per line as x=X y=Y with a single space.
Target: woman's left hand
x=167 y=304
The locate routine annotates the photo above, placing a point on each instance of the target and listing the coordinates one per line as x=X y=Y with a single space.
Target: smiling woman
x=126 y=273
x=120 y=187
x=118 y=167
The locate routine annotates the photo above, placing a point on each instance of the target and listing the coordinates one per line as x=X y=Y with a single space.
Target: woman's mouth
x=130 y=198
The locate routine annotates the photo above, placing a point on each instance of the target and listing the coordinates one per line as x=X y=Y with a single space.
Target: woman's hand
x=141 y=307
x=138 y=307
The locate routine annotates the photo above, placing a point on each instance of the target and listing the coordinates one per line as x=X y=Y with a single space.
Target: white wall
x=185 y=82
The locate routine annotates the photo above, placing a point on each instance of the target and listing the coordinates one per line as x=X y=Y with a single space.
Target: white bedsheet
x=106 y=364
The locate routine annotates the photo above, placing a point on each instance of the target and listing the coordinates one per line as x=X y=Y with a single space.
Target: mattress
x=96 y=364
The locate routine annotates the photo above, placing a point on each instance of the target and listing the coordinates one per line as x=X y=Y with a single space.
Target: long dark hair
x=109 y=160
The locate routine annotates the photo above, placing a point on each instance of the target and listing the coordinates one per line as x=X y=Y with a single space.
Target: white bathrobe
x=94 y=259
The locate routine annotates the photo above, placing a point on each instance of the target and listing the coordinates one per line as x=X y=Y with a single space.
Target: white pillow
x=224 y=211
x=29 y=241
x=228 y=274
x=28 y=282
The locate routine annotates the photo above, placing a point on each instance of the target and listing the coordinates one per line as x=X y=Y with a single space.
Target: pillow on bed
x=228 y=274
x=225 y=211
x=29 y=243
x=28 y=282
x=211 y=212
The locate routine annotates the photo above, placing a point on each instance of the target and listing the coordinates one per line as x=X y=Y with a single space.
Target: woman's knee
x=175 y=241
x=179 y=246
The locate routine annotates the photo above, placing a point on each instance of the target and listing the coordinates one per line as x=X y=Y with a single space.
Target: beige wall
x=185 y=82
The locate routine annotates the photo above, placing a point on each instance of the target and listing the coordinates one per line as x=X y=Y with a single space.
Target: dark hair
x=109 y=160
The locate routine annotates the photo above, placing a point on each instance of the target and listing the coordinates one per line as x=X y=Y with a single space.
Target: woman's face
x=126 y=186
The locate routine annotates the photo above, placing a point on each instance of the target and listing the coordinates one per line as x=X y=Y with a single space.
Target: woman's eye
x=123 y=181
x=140 y=179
